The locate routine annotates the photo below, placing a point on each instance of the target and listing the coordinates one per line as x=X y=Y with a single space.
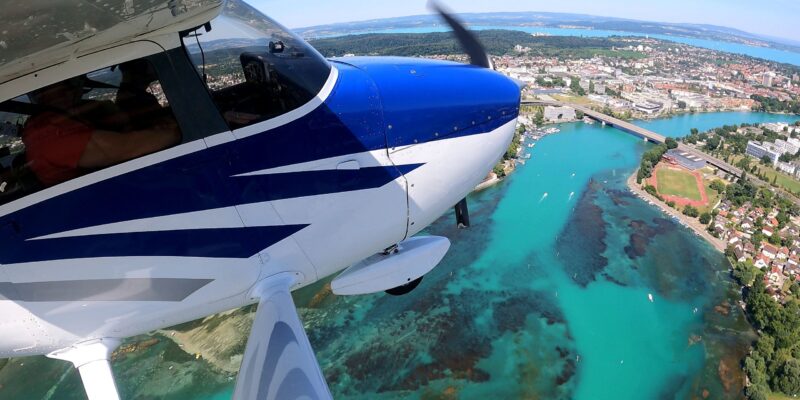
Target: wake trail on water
x=544 y=196
x=570 y=196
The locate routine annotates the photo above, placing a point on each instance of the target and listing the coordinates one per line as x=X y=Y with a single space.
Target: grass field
x=677 y=183
x=581 y=100
x=779 y=396
x=713 y=197
x=783 y=180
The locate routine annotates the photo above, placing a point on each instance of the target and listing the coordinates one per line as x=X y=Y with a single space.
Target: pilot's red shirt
x=54 y=144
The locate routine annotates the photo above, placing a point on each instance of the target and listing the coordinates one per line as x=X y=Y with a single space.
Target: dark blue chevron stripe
x=289 y=185
x=216 y=243
x=167 y=189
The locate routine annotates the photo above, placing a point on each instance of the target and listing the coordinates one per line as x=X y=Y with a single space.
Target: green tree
x=756 y=392
x=671 y=143
x=651 y=189
x=705 y=218
x=499 y=171
x=745 y=273
x=766 y=346
x=576 y=88
x=744 y=163
x=787 y=379
x=690 y=211
x=712 y=143
x=538 y=118
x=717 y=186
x=766 y=160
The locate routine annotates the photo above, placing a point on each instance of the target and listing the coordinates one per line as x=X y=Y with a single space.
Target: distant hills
x=556 y=20
x=497 y=42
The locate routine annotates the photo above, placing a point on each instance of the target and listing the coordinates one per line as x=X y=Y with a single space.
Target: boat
x=650 y=297
x=530 y=144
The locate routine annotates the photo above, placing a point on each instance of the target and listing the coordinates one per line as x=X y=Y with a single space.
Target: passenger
x=141 y=106
x=61 y=144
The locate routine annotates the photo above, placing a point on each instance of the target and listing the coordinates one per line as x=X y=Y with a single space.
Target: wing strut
x=92 y=360
x=279 y=362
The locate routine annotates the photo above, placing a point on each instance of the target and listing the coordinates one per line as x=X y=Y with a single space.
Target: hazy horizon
x=770 y=19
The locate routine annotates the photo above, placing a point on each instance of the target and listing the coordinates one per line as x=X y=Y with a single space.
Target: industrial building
x=684 y=159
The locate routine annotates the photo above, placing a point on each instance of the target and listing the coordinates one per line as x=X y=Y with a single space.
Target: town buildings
x=759 y=150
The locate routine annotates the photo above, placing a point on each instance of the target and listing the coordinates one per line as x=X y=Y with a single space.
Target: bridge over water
x=637 y=131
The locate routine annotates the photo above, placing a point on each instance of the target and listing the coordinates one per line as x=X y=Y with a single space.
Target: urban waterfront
x=545 y=296
x=766 y=53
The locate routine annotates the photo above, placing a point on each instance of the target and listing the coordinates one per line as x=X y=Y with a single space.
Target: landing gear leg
x=462 y=214
x=92 y=360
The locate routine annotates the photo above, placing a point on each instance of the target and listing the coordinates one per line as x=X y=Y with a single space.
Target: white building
x=649 y=107
x=559 y=114
x=556 y=69
x=776 y=126
x=787 y=146
x=787 y=167
x=759 y=150
x=767 y=79
x=599 y=88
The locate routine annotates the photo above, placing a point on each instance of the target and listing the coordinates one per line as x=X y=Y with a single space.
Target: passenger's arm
x=108 y=148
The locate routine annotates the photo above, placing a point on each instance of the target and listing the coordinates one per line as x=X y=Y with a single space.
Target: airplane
x=241 y=165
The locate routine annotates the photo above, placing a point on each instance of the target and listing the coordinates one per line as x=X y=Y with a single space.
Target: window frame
x=190 y=103
x=209 y=25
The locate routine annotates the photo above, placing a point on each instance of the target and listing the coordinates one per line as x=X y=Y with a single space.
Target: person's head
x=138 y=72
x=62 y=95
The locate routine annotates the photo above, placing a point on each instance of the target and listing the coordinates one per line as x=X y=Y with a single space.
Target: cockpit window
x=254 y=68
x=82 y=124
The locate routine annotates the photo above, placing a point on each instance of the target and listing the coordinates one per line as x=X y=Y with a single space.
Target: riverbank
x=689 y=222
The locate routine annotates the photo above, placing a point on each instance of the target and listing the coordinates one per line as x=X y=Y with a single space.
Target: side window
x=254 y=68
x=83 y=124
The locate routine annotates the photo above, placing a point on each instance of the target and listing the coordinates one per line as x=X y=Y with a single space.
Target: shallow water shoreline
x=689 y=222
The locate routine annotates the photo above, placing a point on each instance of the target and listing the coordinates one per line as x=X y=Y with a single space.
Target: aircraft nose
x=426 y=101
x=456 y=120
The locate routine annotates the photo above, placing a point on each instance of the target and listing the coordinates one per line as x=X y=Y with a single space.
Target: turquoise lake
x=766 y=53
x=544 y=297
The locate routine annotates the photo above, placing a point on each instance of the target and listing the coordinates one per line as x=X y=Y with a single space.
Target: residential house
x=738 y=252
x=783 y=253
x=769 y=250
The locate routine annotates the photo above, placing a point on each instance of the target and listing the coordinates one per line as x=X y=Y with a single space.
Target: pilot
x=62 y=144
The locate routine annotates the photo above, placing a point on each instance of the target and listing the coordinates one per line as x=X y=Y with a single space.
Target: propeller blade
x=474 y=49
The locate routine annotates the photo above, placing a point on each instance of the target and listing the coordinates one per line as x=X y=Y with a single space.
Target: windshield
x=255 y=68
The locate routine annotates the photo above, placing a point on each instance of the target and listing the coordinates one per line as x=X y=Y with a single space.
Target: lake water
x=545 y=296
x=766 y=53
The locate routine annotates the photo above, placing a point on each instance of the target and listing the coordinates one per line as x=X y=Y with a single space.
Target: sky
x=778 y=18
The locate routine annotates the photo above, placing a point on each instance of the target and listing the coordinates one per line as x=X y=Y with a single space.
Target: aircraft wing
x=40 y=33
x=279 y=362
